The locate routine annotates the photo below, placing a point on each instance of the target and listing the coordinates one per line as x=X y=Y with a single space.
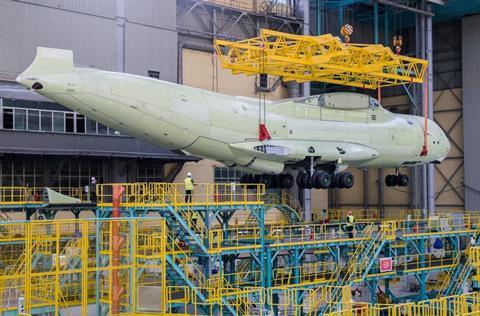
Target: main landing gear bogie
x=280 y=181
x=393 y=180
x=319 y=180
x=325 y=180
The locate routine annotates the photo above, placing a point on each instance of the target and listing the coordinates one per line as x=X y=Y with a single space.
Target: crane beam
x=323 y=58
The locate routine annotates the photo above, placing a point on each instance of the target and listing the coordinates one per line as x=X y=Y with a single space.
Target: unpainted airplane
x=319 y=136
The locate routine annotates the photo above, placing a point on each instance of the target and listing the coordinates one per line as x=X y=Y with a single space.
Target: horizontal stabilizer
x=53 y=197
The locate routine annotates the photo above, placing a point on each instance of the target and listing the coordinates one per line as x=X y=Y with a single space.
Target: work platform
x=168 y=256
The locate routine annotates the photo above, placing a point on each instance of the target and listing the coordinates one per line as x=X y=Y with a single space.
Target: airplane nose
x=446 y=142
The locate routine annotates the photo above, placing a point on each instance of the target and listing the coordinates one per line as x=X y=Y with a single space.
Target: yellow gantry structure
x=323 y=58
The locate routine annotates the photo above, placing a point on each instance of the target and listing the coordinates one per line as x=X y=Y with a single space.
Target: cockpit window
x=374 y=103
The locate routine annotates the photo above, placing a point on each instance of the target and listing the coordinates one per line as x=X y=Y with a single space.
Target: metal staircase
x=4 y=217
x=459 y=273
x=359 y=264
x=286 y=204
x=186 y=268
x=179 y=220
x=457 y=277
x=71 y=261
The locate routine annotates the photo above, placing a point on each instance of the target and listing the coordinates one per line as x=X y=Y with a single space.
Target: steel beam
x=429 y=54
x=405 y=7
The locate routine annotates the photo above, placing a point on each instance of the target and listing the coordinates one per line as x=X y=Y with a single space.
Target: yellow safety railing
x=282 y=235
x=426 y=261
x=191 y=217
x=234 y=238
x=438 y=226
x=163 y=194
x=308 y=273
x=186 y=263
x=335 y=215
x=35 y=195
x=18 y=195
x=243 y=301
x=284 y=199
x=251 y=278
x=464 y=304
x=471 y=256
x=474 y=254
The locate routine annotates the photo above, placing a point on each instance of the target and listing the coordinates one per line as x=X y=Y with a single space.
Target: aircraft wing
x=277 y=153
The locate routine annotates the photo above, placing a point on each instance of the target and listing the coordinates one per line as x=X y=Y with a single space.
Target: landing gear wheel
x=402 y=180
x=308 y=182
x=335 y=183
x=322 y=180
x=274 y=182
x=301 y=180
x=285 y=181
x=389 y=180
x=347 y=180
x=265 y=179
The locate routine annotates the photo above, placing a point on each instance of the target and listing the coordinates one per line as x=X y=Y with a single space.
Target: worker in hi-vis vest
x=188 y=188
x=350 y=224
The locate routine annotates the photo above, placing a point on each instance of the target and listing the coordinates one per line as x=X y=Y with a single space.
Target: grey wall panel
x=471 y=109
x=150 y=48
x=25 y=26
x=104 y=8
x=18 y=142
x=158 y=13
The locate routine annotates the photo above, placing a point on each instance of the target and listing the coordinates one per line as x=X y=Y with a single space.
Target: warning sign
x=386 y=264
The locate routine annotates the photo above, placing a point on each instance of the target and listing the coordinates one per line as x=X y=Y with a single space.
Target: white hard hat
x=189 y=174
x=93 y=178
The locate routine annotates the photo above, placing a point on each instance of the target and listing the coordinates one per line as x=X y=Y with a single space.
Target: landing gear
x=343 y=180
x=281 y=181
x=325 y=180
x=400 y=180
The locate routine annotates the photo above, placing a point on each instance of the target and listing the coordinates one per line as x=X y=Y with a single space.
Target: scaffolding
x=173 y=257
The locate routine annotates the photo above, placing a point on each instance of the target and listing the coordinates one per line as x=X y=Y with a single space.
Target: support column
x=120 y=19
x=307 y=194
x=429 y=53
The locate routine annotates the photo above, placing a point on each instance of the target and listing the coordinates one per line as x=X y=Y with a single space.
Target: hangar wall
x=471 y=97
x=450 y=193
x=150 y=34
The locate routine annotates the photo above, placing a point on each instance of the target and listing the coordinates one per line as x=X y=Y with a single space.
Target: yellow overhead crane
x=323 y=58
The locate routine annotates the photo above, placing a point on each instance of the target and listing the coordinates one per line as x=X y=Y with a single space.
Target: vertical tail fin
x=49 y=60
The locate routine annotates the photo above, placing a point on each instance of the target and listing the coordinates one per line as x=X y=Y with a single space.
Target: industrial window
x=154 y=74
x=69 y=123
x=46 y=121
x=49 y=120
x=91 y=126
x=102 y=129
x=42 y=172
x=33 y=120
x=8 y=118
x=226 y=175
x=150 y=172
x=20 y=119
x=59 y=122
x=80 y=124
